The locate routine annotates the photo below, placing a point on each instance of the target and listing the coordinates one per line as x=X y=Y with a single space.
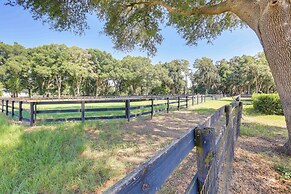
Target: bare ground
x=253 y=168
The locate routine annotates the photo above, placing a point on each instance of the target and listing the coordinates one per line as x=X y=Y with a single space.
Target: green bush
x=267 y=104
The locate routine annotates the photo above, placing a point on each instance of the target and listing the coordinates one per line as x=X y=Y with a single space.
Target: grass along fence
x=54 y=110
x=215 y=152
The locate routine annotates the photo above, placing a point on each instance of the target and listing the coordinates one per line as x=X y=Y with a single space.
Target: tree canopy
x=60 y=70
x=137 y=23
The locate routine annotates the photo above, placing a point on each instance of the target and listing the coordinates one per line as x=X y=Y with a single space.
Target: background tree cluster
x=60 y=70
x=239 y=75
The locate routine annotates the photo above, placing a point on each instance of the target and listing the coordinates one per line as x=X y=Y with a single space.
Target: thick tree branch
x=207 y=9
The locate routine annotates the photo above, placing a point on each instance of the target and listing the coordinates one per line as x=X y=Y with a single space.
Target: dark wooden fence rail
x=14 y=107
x=214 y=157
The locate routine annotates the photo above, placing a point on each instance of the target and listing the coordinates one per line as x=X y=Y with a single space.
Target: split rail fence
x=33 y=111
x=215 y=152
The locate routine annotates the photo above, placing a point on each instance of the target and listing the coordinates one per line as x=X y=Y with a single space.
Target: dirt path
x=253 y=167
x=171 y=125
x=253 y=171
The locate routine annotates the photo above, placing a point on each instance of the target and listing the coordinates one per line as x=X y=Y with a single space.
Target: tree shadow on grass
x=269 y=137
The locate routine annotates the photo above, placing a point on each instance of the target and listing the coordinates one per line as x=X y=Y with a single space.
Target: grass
x=211 y=106
x=90 y=106
x=75 y=157
x=62 y=158
x=66 y=157
x=272 y=127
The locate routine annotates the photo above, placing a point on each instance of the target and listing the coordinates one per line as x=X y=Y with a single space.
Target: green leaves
x=132 y=23
x=206 y=75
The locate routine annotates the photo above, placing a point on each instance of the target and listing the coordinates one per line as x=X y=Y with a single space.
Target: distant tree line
x=60 y=70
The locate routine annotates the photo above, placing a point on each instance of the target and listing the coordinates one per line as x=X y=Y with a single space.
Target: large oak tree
x=133 y=23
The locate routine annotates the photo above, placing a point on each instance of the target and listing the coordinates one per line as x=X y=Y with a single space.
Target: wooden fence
x=36 y=110
x=215 y=152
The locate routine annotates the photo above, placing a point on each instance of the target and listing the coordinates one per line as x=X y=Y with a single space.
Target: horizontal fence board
x=161 y=104
x=146 y=113
x=103 y=109
x=16 y=115
x=58 y=102
x=140 y=107
x=160 y=110
x=149 y=176
x=26 y=119
x=57 y=111
x=106 y=117
x=58 y=119
x=193 y=187
x=213 y=118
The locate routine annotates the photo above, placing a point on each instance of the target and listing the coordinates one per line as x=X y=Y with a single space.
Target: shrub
x=267 y=104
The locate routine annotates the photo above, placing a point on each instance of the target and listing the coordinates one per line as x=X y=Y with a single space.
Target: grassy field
x=68 y=156
x=271 y=128
x=60 y=158
x=95 y=105
x=83 y=157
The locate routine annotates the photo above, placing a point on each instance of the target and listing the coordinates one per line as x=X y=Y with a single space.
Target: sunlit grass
x=58 y=159
x=209 y=107
x=251 y=116
x=272 y=127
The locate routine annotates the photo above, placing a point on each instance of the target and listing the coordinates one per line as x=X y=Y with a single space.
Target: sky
x=17 y=25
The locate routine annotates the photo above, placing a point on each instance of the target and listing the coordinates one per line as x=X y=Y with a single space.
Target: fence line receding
x=36 y=110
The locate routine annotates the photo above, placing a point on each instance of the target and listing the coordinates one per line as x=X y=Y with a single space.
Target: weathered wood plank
x=26 y=119
x=58 y=111
x=140 y=107
x=193 y=187
x=104 y=109
x=213 y=118
x=58 y=119
x=149 y=176
x=106 y=117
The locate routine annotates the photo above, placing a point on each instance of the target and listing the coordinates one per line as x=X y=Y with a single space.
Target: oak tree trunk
x=275 y=32
x=271 y=21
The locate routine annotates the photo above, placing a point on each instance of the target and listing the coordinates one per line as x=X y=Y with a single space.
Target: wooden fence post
x=168 y=105
x=239 y=115
x=83 y=110
x=20 y=110
x=197 y=96
x=2 y=106
x=127 y=109
x=35 y=109
x=230 y=150
x=152 y=108
x=12 y=108
x=31 y=113
x=178 y=103
x=201 y=98
x=7 y=103
x=205 y=147
x=227 y=114
x=193 y=100
x=186 y=101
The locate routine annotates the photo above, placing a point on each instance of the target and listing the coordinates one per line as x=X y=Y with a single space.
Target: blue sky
x=17 y=25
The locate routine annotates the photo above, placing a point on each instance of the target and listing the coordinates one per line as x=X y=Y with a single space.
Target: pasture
x=35 y=111
x=92 y=156
x=81 y=157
